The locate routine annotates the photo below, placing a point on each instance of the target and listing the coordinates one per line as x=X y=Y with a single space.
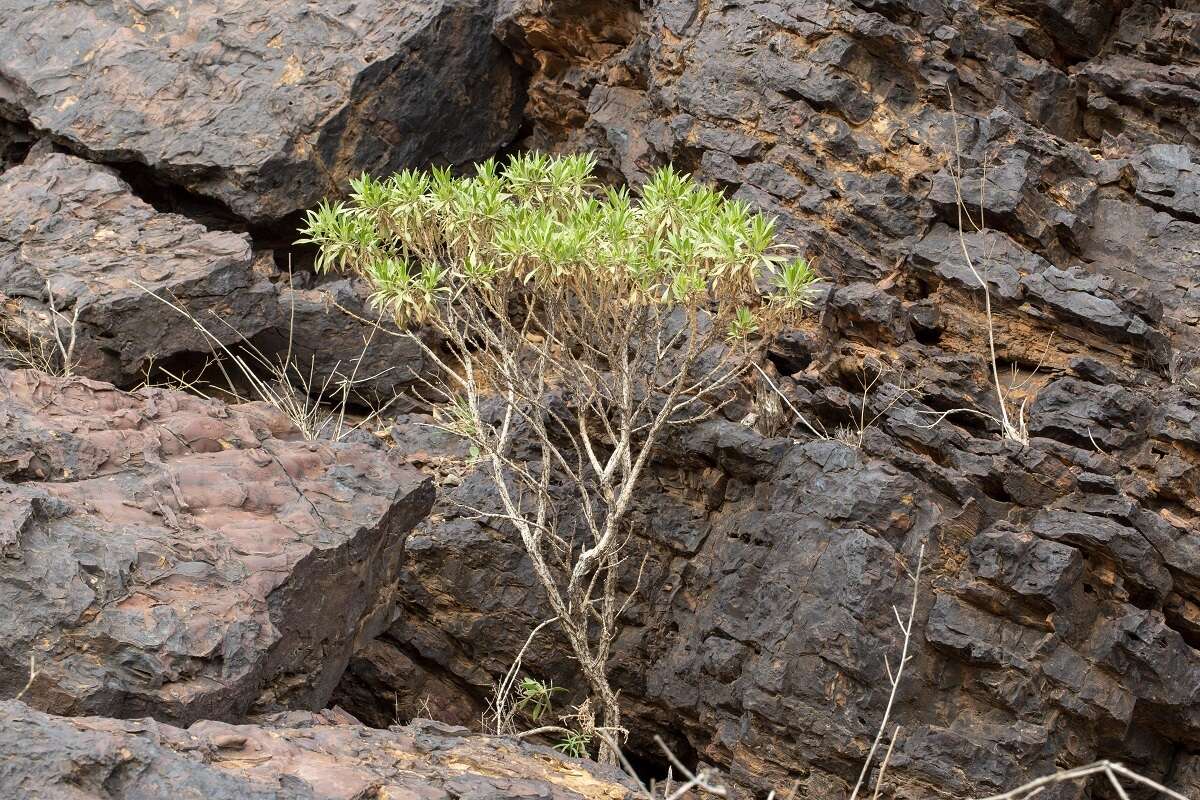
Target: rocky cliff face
x=1058 y=620
x=1059 y=613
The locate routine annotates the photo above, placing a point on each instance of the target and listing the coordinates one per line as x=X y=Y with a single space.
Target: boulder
x=263 y=106
x=288 y=756
x=166 y=555
x=1167 y=176
x=80 y=256
x=1152 y=250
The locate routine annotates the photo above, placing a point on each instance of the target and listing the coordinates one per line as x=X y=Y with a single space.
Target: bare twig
x=1012 y=426
x=31 y=350
x=502 y=711
x=281 y=382
x=1111 y=769
x=856 y=436
x=65 y=350
x=803 y=420
x=33 y=673
x=701 y=780
x=906 y=627
x=883 y=766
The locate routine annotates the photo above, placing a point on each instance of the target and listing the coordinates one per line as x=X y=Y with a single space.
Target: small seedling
x=574 y=744
x=536 y=698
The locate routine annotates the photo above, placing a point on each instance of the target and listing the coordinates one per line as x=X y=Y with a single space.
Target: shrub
x=599 y=319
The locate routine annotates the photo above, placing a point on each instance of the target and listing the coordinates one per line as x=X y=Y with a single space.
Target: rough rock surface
x=335 y=334
x=836 y=115
x=1060 y=611
x=1058 y=623
x=1059 y=619
x=170 y=556
x=289 y=756
x=264 y=106
x=74 y=240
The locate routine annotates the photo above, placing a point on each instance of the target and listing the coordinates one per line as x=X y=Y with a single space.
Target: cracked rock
x=171 y=556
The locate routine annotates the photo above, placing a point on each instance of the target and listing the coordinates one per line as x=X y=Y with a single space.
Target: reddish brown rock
x=74 y=230
x=290 y=756
x=170 y=556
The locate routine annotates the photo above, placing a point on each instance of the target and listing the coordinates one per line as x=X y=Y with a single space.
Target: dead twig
x=1113 y=770
x=906 y=627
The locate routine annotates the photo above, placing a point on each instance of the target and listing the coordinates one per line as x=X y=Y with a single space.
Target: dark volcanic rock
x=1168 y=177
x=1067 y=407
x=766 y=604
x=80 y=252
x=265 y=107
x=1152 y=250
x=333 y=334
x=1145 y=85
x=73 y=230
x=170 y=556
x=289 y=756
x=836 y=116
x=1060 y=619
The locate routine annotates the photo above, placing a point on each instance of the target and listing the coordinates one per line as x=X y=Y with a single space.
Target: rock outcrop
x=163 y=555
x=87 y=270
x=80 y=256
x=289 y=756
x=1061 y=596
x=172 y=557
x=1057 y=622
x=838 y=116
x=264 y=106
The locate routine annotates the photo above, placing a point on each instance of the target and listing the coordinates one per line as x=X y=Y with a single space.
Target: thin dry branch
x=803 y=420
x=1111 y=769
x=33 y=673
x=501 y=710
x=281 y=382
x=701 y=780
x=1013 y=427
x=906 y=627
x=31 y=350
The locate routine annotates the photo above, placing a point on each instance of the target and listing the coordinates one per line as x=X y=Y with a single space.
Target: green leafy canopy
x=545 y=222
